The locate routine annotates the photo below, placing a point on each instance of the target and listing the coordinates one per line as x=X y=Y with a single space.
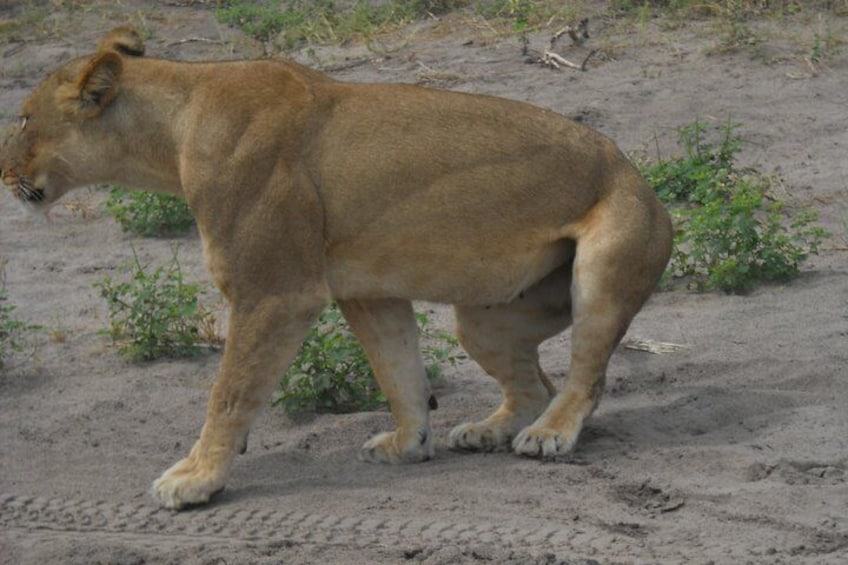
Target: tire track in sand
x=265 y=526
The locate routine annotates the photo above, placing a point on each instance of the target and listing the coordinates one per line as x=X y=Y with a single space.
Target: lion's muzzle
x=22 y=188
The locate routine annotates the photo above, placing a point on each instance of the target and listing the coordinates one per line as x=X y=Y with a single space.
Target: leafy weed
x=731 y=231
x=155 y=313
x=331 y=372
x=149 y=214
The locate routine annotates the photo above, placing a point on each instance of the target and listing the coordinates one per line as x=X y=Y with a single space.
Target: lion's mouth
x=25 y=191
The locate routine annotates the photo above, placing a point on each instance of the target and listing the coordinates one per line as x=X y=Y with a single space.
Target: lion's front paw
x=397 y=447
x=187 y=483
x=481 y=436
x=538 y=441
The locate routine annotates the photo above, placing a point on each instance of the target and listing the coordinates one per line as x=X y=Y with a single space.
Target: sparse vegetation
x=526 y=15
x=149 y=214
x=827 y=44
x=331 y=372
x=736 y=9
x=732 y=231
x=156 y=313
x=13 y=332
x=290 y=23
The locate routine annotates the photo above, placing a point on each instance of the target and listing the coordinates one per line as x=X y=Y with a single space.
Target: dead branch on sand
x=652 y=346
x=195 y=40
x=549 y=58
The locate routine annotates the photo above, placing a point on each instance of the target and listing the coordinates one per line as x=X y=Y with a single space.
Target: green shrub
x=149 y=214
x=13 y=332
x=331 y=372
x=156 y=313
x=731 y=231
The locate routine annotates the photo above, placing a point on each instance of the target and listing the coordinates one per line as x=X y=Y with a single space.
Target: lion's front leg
x=262 y=339
x=389 y=334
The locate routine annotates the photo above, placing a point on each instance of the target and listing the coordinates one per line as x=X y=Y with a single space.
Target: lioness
x=308 y=190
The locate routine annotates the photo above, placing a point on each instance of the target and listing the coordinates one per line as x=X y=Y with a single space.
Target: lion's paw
x=538 y=441
x=397 y=447
x=187 y=483
x=480 y=436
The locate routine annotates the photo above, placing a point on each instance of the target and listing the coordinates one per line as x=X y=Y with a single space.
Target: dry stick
x=554 y=60
x=353 y=63
x=653 y=346
x=195 y=39
x=578 y=33
x=550 y=58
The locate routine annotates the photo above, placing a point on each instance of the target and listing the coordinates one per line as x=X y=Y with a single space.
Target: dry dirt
x=734 y=450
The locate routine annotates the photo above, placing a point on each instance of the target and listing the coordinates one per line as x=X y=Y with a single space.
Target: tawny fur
x=308 y=190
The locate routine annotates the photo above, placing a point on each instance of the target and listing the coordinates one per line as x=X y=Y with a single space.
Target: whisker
x=28 y=192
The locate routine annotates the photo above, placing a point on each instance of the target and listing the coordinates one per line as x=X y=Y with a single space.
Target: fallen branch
x=578 y=33
x=195 y=40
x=651 y=346
x=550 y=58
x=351 y=64
x=555 y=60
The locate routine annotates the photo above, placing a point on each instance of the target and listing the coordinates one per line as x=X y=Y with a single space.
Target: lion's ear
x=94 y=88
x=125 y=40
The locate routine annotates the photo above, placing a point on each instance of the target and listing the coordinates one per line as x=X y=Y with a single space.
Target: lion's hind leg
x=388 y=332
x=504 y=341
x=620 y=257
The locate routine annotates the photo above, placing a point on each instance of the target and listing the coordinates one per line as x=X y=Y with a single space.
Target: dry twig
x=195 y=40
x=652 y=346
x=550 y=58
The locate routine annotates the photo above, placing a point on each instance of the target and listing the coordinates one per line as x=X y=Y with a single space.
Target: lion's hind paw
x=479 y=436
x=536 y=441
x=397 y=447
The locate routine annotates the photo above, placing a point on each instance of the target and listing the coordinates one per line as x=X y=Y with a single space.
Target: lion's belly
x=454 y=278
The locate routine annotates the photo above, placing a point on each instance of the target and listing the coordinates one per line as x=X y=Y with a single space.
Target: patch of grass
x=331 y=372
x=736 y=9
x=526 y=15
x=289 y=23
x=14 y=333
x=23 y=16
x=156 y=313
x=827 y=44
x=731 y=231
x=149 y=214
x=734 y=35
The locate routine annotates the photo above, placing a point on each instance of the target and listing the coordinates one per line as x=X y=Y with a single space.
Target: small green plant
x=13 y=332
x=704 y=166
x=439 y=348
x=731 y=231
x=156 y=313
x=149 y=214
x=331 y=372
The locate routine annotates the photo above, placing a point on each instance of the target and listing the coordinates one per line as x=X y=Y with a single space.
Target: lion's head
x=53 y=147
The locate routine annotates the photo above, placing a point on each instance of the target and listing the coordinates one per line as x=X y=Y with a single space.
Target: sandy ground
x=734 y=450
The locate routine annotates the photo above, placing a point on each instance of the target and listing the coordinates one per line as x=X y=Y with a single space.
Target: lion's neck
x=146 y=120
